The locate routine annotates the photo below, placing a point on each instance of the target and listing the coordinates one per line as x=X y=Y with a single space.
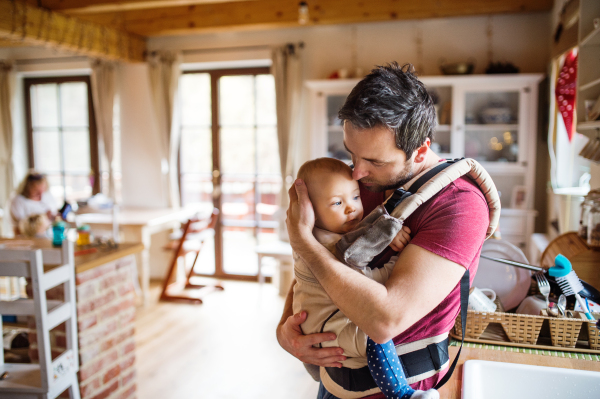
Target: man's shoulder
x=462 y=189
x=460 y=197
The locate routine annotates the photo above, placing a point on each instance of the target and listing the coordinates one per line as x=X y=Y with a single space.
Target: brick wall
x=106 y=317
x=106 y=320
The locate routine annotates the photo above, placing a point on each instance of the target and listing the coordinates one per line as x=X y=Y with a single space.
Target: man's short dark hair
x=393 y=97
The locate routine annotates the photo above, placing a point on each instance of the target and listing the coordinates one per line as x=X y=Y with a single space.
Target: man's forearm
x=361 y=299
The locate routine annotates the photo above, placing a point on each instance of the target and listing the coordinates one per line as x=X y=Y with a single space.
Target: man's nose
x=359 y=172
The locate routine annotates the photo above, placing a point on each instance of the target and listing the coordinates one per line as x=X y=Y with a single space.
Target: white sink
x=495 y=380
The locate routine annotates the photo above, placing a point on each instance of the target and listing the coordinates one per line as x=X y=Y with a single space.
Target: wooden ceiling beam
x=33 y=26
x=11 y=43
x=260 y=14
x=98 y=6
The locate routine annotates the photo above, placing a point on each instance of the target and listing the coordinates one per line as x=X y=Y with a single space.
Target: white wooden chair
x=48 y=379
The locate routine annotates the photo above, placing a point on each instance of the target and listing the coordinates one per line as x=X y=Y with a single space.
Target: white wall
x=522 y=39
x=144 y=183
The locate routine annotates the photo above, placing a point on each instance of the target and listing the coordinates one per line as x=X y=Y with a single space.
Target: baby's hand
x=401 y=240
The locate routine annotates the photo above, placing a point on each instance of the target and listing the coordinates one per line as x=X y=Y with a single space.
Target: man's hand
x=401 y=240
x=300 y=214
x=290 y=337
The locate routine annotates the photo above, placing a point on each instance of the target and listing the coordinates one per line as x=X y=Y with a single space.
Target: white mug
x=481 y=302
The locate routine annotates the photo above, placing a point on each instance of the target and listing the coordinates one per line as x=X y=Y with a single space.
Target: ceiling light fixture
x=302 y=13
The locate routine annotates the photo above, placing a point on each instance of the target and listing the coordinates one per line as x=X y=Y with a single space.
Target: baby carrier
x=423 y=358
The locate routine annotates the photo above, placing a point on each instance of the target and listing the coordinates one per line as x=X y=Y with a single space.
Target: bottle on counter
x=586 y=206
x=58 y=232
x=84 y=235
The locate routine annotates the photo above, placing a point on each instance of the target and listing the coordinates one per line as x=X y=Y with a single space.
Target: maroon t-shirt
x=453 y=225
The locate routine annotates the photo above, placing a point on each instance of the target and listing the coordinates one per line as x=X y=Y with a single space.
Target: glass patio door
x=229 y=155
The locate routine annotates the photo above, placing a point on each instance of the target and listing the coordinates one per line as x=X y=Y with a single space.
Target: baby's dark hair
x=332 y=165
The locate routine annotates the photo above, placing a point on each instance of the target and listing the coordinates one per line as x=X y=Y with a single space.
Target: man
x=389 y=121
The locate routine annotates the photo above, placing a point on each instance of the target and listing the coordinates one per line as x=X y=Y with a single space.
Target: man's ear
x=421 y=152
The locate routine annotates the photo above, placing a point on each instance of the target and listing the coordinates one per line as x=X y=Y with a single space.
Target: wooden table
x=280 y=250
x=139 y=224
x=453 y=388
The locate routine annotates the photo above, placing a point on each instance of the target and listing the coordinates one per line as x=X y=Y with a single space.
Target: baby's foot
x=430 y=394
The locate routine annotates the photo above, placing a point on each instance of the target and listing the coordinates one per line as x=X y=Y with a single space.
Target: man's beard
x=394 y=183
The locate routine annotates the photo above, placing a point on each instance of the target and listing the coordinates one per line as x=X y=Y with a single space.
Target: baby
x=35 y=226
x=335 y=197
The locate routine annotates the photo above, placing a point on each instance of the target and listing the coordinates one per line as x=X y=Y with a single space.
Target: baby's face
x=336 y=201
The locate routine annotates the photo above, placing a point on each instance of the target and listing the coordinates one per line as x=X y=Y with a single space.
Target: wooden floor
x=224 y=348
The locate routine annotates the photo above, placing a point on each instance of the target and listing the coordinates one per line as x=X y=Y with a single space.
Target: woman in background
x=32 y=198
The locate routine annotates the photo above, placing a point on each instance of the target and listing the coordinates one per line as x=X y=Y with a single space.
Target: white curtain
x=6 y=134
x=164 y=79
x=103 y=92
x=287 y=71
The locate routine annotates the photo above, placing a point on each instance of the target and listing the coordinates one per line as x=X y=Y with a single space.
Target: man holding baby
x=389 y=122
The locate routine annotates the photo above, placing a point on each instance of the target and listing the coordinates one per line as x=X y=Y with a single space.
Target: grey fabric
x=372 y=235
x=313 y=370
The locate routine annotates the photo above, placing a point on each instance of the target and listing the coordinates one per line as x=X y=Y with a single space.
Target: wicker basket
x=519 y=328
x=564 y=331
x=524 y=329
x=477 y=322
x=593 y=332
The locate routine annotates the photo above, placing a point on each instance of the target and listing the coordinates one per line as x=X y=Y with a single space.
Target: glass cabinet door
x=335 y=132
x=492 y=126
x=442 y=139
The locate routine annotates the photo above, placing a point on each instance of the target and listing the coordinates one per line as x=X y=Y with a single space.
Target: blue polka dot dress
x=388 y=373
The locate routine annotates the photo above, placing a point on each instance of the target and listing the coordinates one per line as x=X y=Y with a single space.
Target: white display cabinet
x=491 y=118
x=588 y=74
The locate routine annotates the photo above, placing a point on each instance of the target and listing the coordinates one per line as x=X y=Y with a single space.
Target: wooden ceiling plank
x=20 y=22
x=99 y=6
x=11 y=43
x=278 y=13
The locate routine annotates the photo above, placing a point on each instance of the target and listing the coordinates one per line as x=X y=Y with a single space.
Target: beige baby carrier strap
x=426 y=357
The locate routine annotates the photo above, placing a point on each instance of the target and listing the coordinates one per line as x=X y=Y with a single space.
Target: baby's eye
x=357 y=198
x=337 y=203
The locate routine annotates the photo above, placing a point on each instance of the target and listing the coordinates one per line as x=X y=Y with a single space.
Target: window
x=62 y=136
x=229 y=157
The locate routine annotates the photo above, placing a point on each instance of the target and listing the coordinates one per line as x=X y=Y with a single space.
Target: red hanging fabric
x=566 y=87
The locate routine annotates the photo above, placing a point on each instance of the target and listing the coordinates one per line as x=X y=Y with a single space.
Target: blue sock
x=387 y=371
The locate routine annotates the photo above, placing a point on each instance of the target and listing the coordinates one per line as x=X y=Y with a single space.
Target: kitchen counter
x=83 y=262
x=453 y=388
x=89 y=261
